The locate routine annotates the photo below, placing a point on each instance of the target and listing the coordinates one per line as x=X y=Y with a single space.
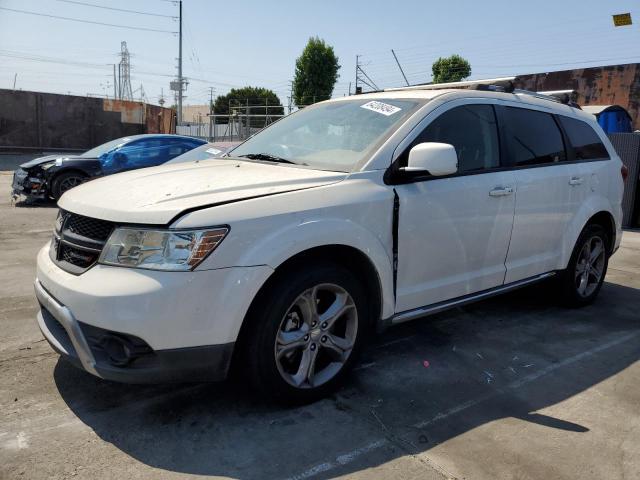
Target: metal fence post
x=246 y=122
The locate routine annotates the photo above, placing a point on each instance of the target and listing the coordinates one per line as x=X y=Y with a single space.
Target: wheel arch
x=354 y=259
x=605 y=220
x=595 y=210
x=351 y=257
x=64 y=171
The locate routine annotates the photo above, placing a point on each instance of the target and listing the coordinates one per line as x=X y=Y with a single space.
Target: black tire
x=65 y=181
x=271 y=311
x=570 y=281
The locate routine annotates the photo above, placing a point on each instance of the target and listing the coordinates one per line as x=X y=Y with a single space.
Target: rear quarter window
x=585 y=141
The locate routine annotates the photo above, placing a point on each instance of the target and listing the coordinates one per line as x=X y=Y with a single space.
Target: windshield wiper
x=267 y=157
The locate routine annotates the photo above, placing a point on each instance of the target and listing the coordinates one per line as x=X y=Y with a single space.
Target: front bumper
x=69 y=338
x=24 y=184
x=188 y=320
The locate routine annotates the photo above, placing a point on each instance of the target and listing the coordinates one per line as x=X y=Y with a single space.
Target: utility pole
x=180 y=79
x=400 y=67
x=357 y=74
x=114 y=82
x=211 y=114
x=15 y=78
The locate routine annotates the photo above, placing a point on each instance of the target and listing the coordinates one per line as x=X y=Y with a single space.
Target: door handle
x=576 y=181
x=501 y=192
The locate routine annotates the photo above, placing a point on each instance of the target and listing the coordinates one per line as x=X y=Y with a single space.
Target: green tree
x=316 y=73
x=450 y=69
x=260 y=100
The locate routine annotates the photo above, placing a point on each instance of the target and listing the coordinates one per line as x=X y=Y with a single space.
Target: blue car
x=52 y=175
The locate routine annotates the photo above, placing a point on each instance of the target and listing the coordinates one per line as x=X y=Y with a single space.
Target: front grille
x=88 y=227
x=78 y=241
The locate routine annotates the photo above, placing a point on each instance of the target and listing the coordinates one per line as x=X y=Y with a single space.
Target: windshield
x=329 y=136
x=105 y=147
x=203 y=152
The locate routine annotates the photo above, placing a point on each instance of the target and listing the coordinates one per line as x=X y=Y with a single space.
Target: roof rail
x=498 y=83
x=566 y=97
x=501 y=84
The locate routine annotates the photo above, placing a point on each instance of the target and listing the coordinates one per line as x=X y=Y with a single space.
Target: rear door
x=453 y=232
x=586 y=152
x=545 y=203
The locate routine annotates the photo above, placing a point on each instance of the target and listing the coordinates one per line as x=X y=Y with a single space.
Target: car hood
x=48 y=158
x=157 y=195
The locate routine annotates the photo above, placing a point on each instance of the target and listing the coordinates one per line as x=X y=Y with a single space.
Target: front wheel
x=304 y=332
x=583 y=278
x=66 y=181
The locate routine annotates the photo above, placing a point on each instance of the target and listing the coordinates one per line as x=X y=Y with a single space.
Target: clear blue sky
x=237 y=43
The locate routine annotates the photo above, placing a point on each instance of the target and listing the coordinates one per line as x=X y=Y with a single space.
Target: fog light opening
x=119 y=350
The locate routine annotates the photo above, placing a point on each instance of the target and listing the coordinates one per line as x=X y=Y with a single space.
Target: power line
x=41 y=58
x=86 y=21
x=44 y=59
x=117 y=9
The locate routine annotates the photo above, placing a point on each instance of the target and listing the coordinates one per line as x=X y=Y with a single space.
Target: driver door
x=454 y=231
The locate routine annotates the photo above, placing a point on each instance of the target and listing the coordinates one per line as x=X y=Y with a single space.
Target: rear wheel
x=66 y=181
x=304 y=333
x=584 y=276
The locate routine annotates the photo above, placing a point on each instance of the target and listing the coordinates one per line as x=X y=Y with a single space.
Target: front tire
x=66 y=181
x=305 y=332
x=583 y=278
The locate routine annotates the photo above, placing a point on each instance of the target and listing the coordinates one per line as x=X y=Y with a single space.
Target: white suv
x=347 y=216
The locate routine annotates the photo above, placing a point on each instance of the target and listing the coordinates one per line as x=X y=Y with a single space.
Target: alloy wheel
x=69 y=182
x=590 y=266
x=316 y=336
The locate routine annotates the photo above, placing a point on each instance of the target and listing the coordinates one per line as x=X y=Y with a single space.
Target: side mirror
x=434 y=158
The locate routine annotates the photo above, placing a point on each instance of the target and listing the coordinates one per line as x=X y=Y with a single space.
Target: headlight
x=173 y=250
x=48 y=165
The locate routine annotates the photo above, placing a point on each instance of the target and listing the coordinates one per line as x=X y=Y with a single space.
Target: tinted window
x=534 y=137
x=472 y=130
x=586 y=143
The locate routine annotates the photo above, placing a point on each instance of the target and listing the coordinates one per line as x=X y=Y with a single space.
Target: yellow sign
x=622 y=19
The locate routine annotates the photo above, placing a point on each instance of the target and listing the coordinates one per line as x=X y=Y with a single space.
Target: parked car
x=348 y=216
x=52 y=175
x=205 y=152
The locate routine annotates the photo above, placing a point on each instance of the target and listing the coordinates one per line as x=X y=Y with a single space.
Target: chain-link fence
x=242 y=122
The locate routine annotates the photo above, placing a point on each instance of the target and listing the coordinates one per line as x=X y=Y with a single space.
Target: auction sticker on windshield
x=380 y=107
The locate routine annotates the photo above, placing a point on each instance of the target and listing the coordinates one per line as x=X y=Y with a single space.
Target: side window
x=144 y=153
x=175 y=148
x=585 y=142
x=534 y=137
x=472 y=130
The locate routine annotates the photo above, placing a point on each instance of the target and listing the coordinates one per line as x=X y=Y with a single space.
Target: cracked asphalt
x=514 y=387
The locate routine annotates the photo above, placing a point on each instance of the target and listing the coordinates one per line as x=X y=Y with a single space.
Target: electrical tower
x=124 y=74
x=362 y=78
